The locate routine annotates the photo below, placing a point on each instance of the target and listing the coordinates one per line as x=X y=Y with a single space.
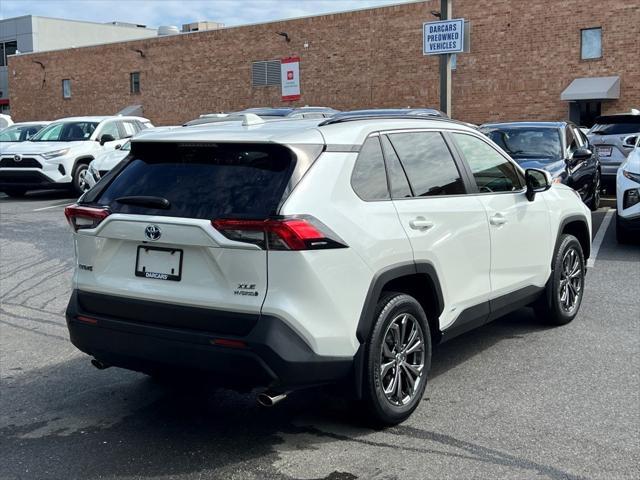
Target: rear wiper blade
x=145 y=201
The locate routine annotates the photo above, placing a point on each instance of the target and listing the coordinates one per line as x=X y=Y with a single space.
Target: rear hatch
x=608 y=135
x=146 y=230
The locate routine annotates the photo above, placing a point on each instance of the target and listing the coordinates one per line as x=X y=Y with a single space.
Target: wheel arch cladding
x=576 y=226
x=420 y=280
x=82 y=161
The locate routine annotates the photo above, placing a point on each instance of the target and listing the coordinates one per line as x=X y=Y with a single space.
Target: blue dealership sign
x=446 y=36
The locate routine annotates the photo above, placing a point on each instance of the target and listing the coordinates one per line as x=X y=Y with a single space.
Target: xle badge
x=247 y=289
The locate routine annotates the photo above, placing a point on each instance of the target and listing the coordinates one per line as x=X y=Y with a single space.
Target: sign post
x=444 y=38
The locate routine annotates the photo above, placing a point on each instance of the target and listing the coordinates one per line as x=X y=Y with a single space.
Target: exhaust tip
x=98 y=364
x=269 y=399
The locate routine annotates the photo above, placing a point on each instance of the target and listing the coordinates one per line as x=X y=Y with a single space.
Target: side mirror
x=582 y=154
x=118 y=147
x=537 y=181
x=106 y=138
x=630 y=141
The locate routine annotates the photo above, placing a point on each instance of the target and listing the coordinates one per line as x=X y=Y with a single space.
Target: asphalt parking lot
x=512 y=400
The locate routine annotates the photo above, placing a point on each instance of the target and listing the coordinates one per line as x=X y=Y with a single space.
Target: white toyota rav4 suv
x=59 y=154
x=294 y=253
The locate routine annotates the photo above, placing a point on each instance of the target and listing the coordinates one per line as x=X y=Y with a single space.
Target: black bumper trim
x=275 y=355
x=27 y=179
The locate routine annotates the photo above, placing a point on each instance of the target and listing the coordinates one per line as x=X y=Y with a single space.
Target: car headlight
x=56 y=153
x=631 y=176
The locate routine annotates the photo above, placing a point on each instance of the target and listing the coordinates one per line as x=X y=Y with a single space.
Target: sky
x=177 y=12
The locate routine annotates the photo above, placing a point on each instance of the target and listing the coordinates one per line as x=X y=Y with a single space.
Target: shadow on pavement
x=71 y=421
x=40 y=195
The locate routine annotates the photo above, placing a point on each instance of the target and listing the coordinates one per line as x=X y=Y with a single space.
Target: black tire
x=77 y=182
x=555 y=306
x=16 y=192
x=622 y=235
x=594 y=204
x=382 y=409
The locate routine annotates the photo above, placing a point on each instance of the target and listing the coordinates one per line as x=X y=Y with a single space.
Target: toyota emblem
x=152 y=232
x=17 y=158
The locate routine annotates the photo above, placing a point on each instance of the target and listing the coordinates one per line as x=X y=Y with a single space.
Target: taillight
x=287 y=233
x=85 y=217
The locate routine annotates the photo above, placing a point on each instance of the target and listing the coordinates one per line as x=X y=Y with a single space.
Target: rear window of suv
x=205 y=181
x=616 y=125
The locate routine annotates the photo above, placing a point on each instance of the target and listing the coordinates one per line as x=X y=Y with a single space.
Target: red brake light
x=304 y=233
x=84 y=217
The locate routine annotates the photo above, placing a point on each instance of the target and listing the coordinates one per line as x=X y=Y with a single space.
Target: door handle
x=498 y=219
x=420 y=223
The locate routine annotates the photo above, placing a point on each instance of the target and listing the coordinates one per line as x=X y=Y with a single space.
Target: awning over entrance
x=594 y=88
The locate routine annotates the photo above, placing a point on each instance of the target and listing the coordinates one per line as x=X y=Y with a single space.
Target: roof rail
x=383 y=116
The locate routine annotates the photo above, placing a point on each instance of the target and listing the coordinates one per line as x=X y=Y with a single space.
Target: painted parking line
x=58 y=205
x=597 y=241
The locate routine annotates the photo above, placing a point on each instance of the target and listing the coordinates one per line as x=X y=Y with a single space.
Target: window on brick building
x=265 y=73
x=134 y=82
x=66 y=88
x=591 y=43
x=6 y=49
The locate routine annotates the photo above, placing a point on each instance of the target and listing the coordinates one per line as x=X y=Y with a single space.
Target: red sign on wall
x=290 y=78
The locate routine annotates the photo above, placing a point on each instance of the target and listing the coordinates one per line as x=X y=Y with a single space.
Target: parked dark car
x=560 y=148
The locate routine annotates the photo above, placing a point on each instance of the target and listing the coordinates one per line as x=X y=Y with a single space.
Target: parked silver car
x=608 y=136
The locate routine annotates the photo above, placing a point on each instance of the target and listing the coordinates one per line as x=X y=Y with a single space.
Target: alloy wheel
x=82 y=180
x=402 y=359
x=571 y=278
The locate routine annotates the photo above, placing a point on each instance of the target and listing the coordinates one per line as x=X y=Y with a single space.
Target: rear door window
x=428 y=163
x=398 y=182
x=369 y=179
x=204 y=181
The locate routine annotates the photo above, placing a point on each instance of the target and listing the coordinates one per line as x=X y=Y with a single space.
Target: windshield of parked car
x=19 y=133
x=520 y=142
x=66 y=132
x=616 y=125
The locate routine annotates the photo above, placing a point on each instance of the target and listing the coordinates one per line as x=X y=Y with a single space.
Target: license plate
x=159 y=263
x=604 y=151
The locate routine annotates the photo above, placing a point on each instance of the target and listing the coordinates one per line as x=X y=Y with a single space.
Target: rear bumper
x=273 y=355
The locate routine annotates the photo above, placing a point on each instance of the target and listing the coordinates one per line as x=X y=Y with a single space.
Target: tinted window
x=207 y=182
x=492 y=172
x=369 y=179
x=611 y=127
x=65 y=132
x=111 y=128
x=429 y=165
x=19 y=133
x=130 y=128
x=525 y=142
x=398 y=182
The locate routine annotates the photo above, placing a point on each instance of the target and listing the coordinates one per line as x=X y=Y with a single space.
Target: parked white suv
x=294 y=253
x=59 y=154
x=628 y=194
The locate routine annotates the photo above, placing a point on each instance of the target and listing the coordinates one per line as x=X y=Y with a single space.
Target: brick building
x=524 y=55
